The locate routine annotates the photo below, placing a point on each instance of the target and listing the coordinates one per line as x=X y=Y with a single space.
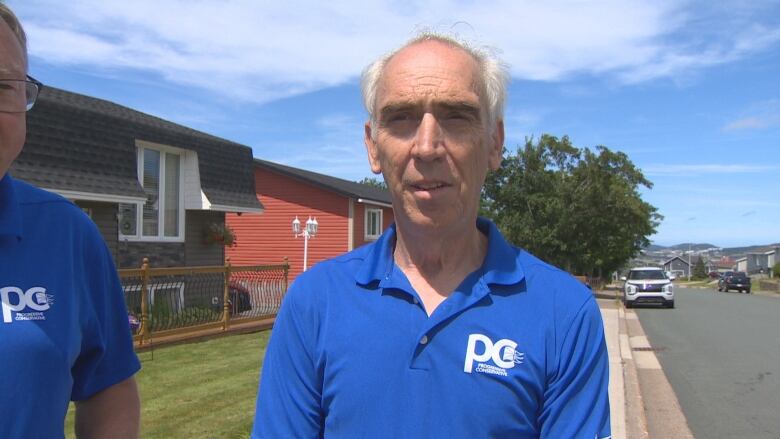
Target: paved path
x=721 y=353
x=643 y=404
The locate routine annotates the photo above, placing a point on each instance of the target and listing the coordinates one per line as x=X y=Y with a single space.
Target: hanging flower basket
x=219 y=234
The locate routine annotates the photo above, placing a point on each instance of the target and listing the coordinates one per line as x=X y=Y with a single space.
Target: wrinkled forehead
x=13 y=63
x=430 y=70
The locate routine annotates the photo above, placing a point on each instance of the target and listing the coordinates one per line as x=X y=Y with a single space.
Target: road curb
x=652 y=407
x=636 y=421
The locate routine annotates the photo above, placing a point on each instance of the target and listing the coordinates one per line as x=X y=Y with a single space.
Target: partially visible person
x=64 y=333
x=440 y=329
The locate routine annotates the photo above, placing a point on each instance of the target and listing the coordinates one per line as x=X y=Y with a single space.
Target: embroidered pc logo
x=503 y=353
x=34 y=298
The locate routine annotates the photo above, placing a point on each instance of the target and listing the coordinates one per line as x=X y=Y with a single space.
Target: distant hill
x=741 y=251
x=726 y=251
x=681 y=247
x=691 y=246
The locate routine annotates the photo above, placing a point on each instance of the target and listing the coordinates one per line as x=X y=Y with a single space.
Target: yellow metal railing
x=175 y=300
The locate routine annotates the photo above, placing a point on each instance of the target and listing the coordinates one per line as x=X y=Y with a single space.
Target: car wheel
x=629 y=303
x=670 y=304
x=747 y=291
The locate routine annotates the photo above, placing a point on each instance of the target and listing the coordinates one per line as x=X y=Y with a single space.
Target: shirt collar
x=10 y=213
x=501 y=265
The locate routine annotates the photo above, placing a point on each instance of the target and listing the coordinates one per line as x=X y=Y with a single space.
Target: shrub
x=776 y=270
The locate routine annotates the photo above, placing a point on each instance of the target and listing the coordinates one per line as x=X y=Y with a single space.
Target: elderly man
x=440 y=329
x=64 y=333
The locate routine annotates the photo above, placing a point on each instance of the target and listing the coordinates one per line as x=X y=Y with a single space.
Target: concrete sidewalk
x=643 y=403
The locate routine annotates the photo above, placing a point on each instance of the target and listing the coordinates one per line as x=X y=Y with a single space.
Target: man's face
x=12 y=125
x=432 y=141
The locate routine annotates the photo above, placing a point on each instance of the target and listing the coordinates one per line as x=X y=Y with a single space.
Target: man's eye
x=399 y=117
x=458 y=115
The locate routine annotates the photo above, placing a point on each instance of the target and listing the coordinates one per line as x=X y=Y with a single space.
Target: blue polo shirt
x=64 y=333
x=517 y=351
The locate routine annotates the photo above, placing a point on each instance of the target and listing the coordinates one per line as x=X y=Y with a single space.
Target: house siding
x=360 y=221
x=104 y=216
x=196 y=251
x=267 y=238
x=130 y=254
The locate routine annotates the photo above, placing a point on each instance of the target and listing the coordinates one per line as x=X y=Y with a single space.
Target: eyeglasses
x=18 y=95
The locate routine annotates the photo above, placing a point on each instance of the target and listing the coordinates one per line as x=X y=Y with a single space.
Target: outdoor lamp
x=309 y=232
x=296 y=225
x=311 y=226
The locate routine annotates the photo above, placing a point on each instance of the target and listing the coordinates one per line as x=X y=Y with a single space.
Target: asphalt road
x=721 y=354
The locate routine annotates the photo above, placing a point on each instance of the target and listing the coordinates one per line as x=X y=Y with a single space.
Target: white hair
x=493 y=75
x=8 y=16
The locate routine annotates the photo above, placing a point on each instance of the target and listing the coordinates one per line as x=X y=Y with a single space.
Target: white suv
x=648 y=285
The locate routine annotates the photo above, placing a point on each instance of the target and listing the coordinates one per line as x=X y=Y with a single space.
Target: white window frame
x=139 y=206
x=366 y=222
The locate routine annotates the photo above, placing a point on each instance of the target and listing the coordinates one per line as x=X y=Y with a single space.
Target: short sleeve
x=106 y=356
x=576 y=401
x=289 y=397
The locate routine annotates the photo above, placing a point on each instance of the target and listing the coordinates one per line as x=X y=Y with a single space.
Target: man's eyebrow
x=395 y=107
x=466 y=107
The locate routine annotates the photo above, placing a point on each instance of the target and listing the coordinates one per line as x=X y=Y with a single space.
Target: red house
x=349 y=215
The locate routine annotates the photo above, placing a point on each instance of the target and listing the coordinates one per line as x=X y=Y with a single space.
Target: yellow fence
x=191 y=299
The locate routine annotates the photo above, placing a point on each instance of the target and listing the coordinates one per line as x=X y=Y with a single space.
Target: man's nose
x=429 y=141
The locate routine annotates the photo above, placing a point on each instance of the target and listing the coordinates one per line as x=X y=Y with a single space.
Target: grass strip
x=199 y=390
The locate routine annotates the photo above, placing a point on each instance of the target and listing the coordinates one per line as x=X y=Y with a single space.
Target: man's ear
x=371 y=149
x=496 y=147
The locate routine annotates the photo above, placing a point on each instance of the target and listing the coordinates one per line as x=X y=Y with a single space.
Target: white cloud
x=660 y=169
x=335 y=148
x=260 y=51
x=761 y=115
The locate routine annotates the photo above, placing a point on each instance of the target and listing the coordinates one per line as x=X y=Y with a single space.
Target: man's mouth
x=428 y=186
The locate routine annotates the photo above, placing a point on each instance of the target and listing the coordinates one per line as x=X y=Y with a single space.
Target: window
x=373 y=224
x=161 y=216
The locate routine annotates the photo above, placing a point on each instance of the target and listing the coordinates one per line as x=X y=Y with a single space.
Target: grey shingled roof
x=344 y=187
x=80 y=143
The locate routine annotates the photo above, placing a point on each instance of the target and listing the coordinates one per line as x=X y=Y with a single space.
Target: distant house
x=349 y=215
x=741 y=264
x=152 y=187
x=677 y=267
x=759 y=262
x=723 y=264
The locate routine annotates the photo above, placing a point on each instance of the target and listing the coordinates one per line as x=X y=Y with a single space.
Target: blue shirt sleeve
x=576 y=401
x=106 y=355
x=289 y=397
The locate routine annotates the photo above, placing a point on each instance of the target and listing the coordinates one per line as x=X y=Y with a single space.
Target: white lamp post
x=309 y=232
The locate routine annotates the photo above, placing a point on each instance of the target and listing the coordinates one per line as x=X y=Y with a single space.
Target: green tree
x=699 y=272
x=375 y=182
x=576 y=208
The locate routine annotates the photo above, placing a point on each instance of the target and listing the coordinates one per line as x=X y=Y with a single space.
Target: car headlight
x=630 y=289
x=668 y=288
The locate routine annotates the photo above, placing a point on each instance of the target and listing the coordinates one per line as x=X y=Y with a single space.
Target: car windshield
x=646 y=275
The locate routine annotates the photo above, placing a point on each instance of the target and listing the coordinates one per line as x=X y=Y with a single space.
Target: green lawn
x=199 y=390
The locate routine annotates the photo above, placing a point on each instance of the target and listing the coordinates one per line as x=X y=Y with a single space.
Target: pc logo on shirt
x=503 y=353
x=15 y=299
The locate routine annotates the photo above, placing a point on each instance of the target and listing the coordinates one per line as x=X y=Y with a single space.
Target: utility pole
x=689 y=262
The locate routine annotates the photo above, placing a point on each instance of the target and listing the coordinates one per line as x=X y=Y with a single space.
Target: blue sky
x=688 y=89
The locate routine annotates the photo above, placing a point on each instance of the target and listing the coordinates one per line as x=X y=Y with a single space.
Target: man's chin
x=438 y=219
